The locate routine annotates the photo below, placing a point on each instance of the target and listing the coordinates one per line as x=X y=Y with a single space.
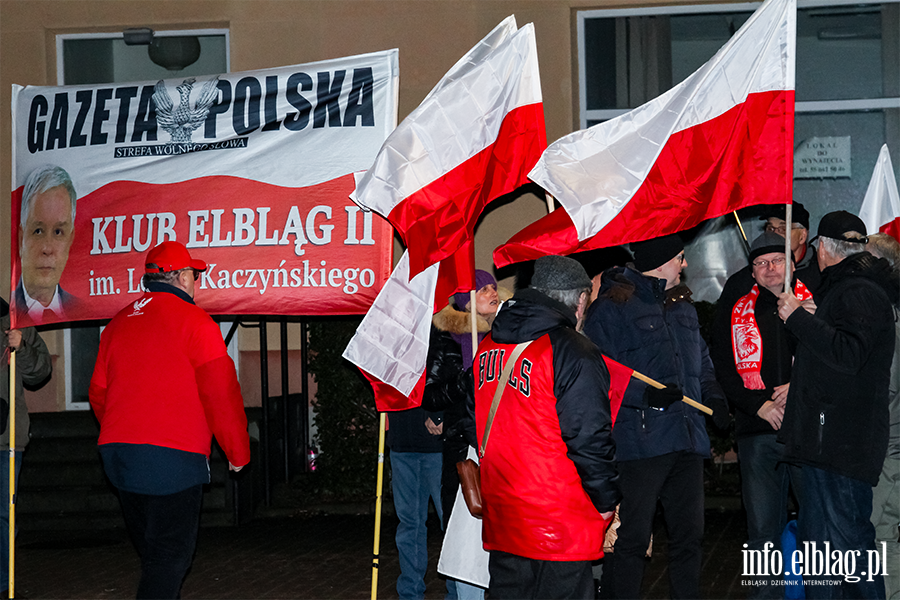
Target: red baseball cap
x=171 y=256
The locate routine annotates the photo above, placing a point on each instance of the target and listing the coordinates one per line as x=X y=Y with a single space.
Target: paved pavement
x=302 y=556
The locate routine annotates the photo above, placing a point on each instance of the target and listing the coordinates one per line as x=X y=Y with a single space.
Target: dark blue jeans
x=164 y=531
x=415 y=477
x=836 y=509
x=764 y=485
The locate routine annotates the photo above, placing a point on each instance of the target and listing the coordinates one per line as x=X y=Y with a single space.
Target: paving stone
x=308 y=556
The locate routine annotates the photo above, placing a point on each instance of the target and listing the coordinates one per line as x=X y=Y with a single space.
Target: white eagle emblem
x=181 y=121
x=139 y=305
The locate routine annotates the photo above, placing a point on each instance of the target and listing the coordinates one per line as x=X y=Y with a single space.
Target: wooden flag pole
x=12 y=473
x=659 y=386
x=743 y=233
x=378 y=489
x=549 y=199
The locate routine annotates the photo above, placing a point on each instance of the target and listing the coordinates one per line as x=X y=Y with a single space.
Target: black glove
x=721 y=416
x=661 y=399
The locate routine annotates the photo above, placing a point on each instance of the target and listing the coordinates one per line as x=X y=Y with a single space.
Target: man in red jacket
x=548 y=474
x=163 y=385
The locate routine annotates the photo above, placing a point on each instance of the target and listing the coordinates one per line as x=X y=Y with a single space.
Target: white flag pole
x=788 y=254
x=474 y=323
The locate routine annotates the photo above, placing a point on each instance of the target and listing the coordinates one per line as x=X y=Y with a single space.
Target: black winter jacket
x=837 y=408
x=778 y=349
x=580 y=385
x=633 y=323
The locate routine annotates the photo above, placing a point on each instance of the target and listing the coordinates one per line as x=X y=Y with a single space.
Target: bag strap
x=498 y=393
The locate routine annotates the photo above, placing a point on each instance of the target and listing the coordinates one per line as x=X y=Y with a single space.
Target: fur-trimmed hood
x=452 y=320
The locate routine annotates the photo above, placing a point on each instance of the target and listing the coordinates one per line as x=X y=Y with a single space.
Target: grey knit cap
x=559 y=273
x=766 y=243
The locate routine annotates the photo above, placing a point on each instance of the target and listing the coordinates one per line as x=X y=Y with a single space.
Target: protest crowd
x=805 y=374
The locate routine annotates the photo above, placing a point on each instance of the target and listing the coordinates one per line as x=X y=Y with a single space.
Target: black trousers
x=676 y=480
x=517 y=578
x=164 y=532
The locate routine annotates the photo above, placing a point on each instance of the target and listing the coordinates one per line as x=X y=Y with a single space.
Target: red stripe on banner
x=436 y=220
x=741 y=158
x=15 y=273
x=387 y=398
x=238 y=227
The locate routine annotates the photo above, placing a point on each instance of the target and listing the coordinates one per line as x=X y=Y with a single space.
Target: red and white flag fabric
x=880 y=209
x=720 y=140
x=390 y=346
x=619 y=376
x=474 y=138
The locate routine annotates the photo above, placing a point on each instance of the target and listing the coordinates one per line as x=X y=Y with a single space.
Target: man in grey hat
x=753 y=353
x=804 y=252
x=548 y=475
x=643 y=318
x=836 y=422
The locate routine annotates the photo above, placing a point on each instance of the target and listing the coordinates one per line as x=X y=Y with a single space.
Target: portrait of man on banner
x=46 y=232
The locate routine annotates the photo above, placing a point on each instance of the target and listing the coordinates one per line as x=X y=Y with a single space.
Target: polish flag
x=390 y=346
x=474 y=138
x=720 y=140
x=880 y=209
x=619 y=376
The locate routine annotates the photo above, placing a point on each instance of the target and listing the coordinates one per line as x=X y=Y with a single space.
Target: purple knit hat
x=482 y=278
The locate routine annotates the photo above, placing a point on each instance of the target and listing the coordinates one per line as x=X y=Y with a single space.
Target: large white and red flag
x=473 y=139
x=390 y=346
x=880 y=209
x=720 y=140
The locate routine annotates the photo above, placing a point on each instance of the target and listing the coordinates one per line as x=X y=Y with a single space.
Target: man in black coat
x=752 y=354
x=836 y=422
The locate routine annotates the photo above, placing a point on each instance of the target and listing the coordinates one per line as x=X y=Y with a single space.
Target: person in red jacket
x=548 y=475
x=163 y=385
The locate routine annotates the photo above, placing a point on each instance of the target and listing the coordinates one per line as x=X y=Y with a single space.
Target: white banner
x=252 y=171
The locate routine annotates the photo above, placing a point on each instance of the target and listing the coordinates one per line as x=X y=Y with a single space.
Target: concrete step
x=88 y=499
x=70 y=520
x=70 y=449
x=75 y=423
x=61 y=474
x=62 y=485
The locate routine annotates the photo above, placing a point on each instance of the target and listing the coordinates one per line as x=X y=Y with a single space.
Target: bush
x=345 y=415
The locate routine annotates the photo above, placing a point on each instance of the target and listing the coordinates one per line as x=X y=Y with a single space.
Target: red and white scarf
x=746 y=340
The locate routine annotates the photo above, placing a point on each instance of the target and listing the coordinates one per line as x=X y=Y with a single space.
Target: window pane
x=107 y=60
x=600 y=62
x=88 y=61
x=85 y=345
x=696 y=38
x=839 y=53
x=867 y=135
x=843 y=52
